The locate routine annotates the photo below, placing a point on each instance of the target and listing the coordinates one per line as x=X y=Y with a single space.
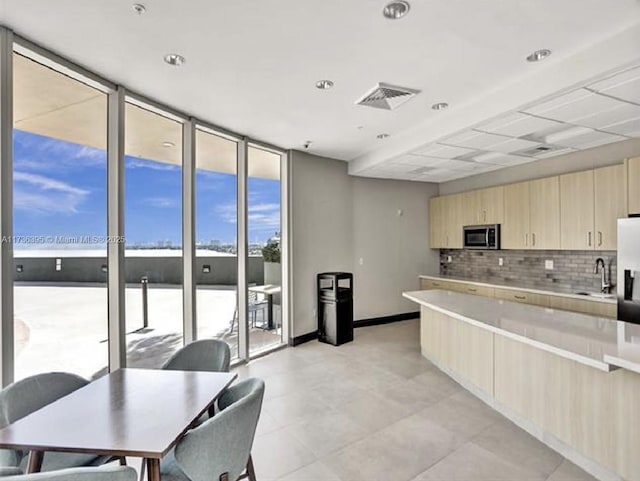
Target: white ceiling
x=252 y=66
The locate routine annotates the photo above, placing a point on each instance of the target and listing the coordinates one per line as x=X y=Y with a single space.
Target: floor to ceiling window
x=216 y=238
x=153 y=233
x=264 y=227
x=60 y=223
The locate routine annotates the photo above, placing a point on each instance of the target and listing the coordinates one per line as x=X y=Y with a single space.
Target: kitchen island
x=571 y=380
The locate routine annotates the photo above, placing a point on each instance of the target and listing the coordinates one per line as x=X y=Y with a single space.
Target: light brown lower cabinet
x=599 y=309
x=522 y=296
x=595 y=412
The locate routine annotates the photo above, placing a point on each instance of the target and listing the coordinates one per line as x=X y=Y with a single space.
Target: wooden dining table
x=129 y=412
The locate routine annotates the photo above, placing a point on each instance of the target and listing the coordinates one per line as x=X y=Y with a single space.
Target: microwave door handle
x=486 y=238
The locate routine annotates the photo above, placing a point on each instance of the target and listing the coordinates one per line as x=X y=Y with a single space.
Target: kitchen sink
x=595 y=294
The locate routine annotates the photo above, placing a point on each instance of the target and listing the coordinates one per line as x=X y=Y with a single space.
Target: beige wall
x=338 y=219
x=573 y=162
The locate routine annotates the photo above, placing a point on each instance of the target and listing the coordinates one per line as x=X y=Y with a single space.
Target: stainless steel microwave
x=481 y=236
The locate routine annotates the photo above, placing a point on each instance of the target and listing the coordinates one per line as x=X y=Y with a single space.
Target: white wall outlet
x=449 y=259
x=361 y=261
x=548 y=264
x=500 y=261
x=400 y=212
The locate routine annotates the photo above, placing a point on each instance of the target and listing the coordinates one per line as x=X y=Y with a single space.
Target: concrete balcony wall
x=159 y=269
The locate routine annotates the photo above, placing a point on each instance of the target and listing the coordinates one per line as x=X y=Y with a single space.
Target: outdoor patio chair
x=30 y=394
x=220 y=448
x=255 y=305
x=103 y=473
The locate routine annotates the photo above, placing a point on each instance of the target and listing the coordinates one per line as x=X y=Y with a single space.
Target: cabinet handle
x=484 y=214
x=533 y=239
x=589 y=239
x=522 y=298
x=599 y=238
x=526 y=240
x=472 y=290
x=435 y=284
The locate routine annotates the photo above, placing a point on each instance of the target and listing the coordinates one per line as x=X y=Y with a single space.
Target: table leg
x=34 y=464
x=153 y=469
x=270 y=311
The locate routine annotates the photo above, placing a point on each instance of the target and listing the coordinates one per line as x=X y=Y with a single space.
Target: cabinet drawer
x=584 y=306
x=426 y=284
x=478 y=290
x=522 y=296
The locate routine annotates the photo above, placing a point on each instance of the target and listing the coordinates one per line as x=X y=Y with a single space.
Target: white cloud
x=161 y=202
x=137 y=163
x=37 y=193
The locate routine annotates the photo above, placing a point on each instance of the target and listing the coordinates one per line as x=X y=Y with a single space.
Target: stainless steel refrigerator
x=629 y=270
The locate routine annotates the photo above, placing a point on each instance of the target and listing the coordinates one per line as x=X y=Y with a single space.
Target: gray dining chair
x=220 y=448
x=30 y=394
x=103 y=473
x=203 y=355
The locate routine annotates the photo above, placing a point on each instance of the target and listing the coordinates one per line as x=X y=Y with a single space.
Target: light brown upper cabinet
x=610 y=205
x=633 y=176
x=591 y=202
x=544 y=213
x=532 y=215
x=515 y=228
x=436 y=225
x=577 y=198
x=485 y=206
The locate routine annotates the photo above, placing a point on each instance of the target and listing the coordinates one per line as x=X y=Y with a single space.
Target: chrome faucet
x=600 y=268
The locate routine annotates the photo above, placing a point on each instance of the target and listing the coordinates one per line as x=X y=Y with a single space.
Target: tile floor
x=376 y=410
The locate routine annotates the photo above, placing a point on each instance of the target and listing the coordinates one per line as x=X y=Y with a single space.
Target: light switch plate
x=500 y=261
x=548 y=264
x=449 y=259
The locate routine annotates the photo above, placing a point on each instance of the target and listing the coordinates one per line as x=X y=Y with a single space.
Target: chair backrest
x=32 y=393
x=103 y=473
x=28 y=395
x=204 y=355
x=222 y=444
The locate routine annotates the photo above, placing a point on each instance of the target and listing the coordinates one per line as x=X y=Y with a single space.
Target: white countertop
x=607 y=299
x=598 y=342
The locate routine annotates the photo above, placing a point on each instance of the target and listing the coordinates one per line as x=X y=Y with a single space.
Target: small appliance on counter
x=481 y=236
x=629 y=270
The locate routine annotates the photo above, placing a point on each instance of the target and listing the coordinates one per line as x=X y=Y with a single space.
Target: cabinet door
x=492 y=205
x=610 y=205
x=515 y=227
x=436 y=226
x=471 y=208
x=577 y=211
x=452 y=219
x=544 y=213
x=633 y=175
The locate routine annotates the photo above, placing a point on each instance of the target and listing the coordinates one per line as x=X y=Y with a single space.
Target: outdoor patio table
x=130 y=412
x=268 y=290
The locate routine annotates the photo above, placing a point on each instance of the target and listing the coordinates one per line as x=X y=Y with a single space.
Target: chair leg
x=123 y=461
x=250 y=471
x=142 y=470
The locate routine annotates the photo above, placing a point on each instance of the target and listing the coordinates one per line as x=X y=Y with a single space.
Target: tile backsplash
x=572 y=270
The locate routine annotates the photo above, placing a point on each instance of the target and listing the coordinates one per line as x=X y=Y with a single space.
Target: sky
x=60 y=191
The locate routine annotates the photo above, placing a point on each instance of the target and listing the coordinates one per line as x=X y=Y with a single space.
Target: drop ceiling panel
x=443 y=151
x=512 y=145
x=517 y=124
x=475 y=140
x=419 y=160
x=624 y=86
x=501 y=159
x=588 y=139
x=600 y=120
x=574 y=106
x=630 y=128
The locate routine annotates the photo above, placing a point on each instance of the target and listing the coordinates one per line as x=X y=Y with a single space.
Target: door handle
x=599 y=238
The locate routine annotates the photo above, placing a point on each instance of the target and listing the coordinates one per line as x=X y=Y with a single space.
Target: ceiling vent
x=387 y=97
x=539 y=150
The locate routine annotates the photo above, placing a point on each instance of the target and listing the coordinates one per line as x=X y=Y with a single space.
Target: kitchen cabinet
x=610 y=205
x=436 y=223
x=577 y=201
x=600 y=309
x=477 y=290
x=532 y=215
x=633 y=177
x=485 y=206
x=523 y=297
x=515 y=227
x=544 y=213
x=427 y=284
x=591 y=203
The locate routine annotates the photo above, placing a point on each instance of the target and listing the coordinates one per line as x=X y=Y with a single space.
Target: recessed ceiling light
x=539 y=55
x=440 y=106
x=396 y=10
x=174 y=59
x=168 y=144
x=139 y=8
x=324 y=84
x=382 y=136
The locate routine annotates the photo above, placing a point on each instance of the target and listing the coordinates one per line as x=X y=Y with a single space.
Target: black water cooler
x=335 y=307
